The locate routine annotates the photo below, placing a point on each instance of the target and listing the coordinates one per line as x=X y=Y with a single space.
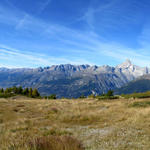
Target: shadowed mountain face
x=72 y=80
x=141 y=84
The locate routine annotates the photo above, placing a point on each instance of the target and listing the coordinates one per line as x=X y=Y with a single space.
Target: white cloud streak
x=22 y=21
x=28 y=59
x=82 y=43
x=44 y=5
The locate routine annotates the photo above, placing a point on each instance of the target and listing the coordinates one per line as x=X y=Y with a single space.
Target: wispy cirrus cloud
x=44 y=4
x=115 y=15
x=90 y=14
x=22 y=21
x=28 y=59
x=68 y=45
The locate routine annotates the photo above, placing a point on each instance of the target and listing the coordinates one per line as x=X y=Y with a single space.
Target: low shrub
x=82 y=96
x=107 y=97
x=91 y=96
x=52 y=96
x=6 y=95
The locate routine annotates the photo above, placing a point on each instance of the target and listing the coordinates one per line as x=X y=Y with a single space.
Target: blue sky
x=37 y=33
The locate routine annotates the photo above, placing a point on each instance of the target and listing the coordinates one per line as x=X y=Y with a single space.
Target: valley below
x=78 y=124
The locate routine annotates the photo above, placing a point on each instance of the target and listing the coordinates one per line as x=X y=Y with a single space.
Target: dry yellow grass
x=99 y=125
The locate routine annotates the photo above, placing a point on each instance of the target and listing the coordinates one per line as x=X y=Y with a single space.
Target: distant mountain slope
x=141 y=84
x=72 y=80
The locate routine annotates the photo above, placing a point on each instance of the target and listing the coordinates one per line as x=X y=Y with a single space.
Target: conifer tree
x=26 y=91
x=1 y=90
x=35 y=93
x=110 y=93
x=30 y=92
x=14 y=89
x=20 y=90
x=7 y=90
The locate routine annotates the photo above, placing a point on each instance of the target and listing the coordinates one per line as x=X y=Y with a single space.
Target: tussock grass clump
x=54 y=110
x=55 y=143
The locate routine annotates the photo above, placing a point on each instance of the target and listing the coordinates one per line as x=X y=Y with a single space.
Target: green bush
x=91 y=96
x=82 y=96
x=6 y=95
x=110 y=93
x=107 y=97
x=52 y=96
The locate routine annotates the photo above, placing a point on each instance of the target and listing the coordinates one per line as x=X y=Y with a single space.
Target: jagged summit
x=125 y=64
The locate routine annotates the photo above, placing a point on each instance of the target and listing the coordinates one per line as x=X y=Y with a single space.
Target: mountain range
x=73 y=80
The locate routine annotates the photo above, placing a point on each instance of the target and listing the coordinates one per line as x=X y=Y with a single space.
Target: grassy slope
x=141 y=85
x=107 y=125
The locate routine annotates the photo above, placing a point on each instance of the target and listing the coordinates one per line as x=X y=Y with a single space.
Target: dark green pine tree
x=19 y=90
x=35 y=93
x=1 y=90
x=30 y=92
x=8 y=90
x=110 y=93
x=14 y=89
x=26 y=92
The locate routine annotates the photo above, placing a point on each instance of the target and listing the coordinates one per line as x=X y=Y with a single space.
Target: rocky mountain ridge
x=72 y=80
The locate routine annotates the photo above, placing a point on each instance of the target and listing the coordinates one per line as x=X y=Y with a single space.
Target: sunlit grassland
x=88 y=124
